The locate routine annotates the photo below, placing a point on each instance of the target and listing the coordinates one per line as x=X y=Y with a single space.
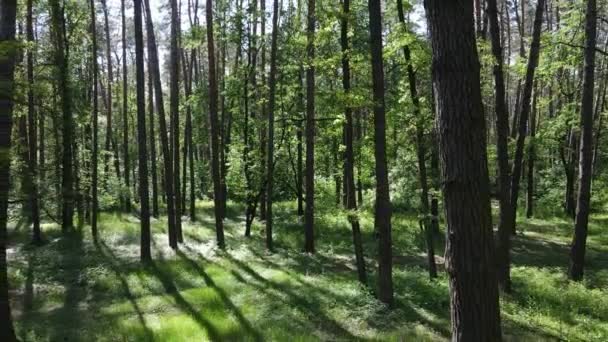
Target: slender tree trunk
x=382 y=217
x=309 y=212
x=523 y=116
x=8 y=11
x=581 y=220
x=421 y=151
x=263 y=113
x=474 y=305
x=167 y=153
x=174 y=106
x=61 y=62
x=531 y=156
x=108 y=143
x=155 y=210
x=33 y=143
x=125 y=115
x=503 y=242
x=145 y=254
x=299 y=137
x=95 y=151
x=271 y=108
x=215 y=129
x=349 y=170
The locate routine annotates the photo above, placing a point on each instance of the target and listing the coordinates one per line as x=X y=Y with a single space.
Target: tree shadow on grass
x=224 y=297
x=310 y=305
x=116 y=266
x=166 y=280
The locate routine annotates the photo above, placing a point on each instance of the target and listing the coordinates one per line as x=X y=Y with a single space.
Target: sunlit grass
x=75 y=290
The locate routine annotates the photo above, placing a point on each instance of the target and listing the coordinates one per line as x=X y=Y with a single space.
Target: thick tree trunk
x=8 y=11
x=581 y=220
x=349 y=170
x=309 y=212
x=167 y=154
x=215 y=129
x=503 y=242
x=145 y=255
x=382 y=217
x=474 y=302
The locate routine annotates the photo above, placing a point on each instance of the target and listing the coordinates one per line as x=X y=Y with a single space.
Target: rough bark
x=382 y=217
x=174 y=109
x=8 y=10
x=581 y=220
x=145 y=255
x=461 y=130
x=215 y=129
x=309 y=211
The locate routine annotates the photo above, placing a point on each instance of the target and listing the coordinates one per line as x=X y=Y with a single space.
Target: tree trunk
x=215 y=129
x=155 y=209
x=125 y=115
x=61 y=62
x=309 y=212
x=108 y=143
x=263 y=112
x=8 y=10
x=167 y=154
x=421 y=151
x=145 y=255
x=33 y=143
x=382 y=217
x=581 y=220
x=531 y=156
x=474 y=302
x=95 y=151
x=523 y=116
x=174 y=106
x=503 y=242
x=349 y=171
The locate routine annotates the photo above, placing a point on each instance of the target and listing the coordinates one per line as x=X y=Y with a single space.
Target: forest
x=303 y=170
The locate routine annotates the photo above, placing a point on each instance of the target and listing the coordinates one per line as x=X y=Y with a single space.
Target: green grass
x=70 y=289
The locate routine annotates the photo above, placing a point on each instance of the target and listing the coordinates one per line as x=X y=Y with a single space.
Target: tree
x=125 y=114
x=61 y=62
x=382 y=216
x=462 y=147
x=309 y=211
x=349 y=170
x=524 y=113
x=145 y=254
x=174 y=106
x=215 y=129
x=503 y=243
x=95 y=151
x=579 y=240
x=32 y=143
x=8 y=11
x=271 y=108
x=162 y=127
x=421 y=152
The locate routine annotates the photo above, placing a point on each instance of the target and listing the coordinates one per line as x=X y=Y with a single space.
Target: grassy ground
x=72 y=290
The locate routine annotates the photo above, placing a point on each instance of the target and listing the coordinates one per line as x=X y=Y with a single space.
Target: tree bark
x=95 y=151
x=215 y=129
x=349 y=171
x=531 y=156
x=382 y=217
x=174 y=107
x=474 y=302
x=503 y=242
x=145 y=254
x=125 y=115
x=153 y=171
x=8 y=11
x=581 y=220
x=167 y=154
x=523 y=116
x=309 y=211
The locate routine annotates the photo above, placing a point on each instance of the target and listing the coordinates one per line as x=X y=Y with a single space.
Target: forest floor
x=73 y=290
